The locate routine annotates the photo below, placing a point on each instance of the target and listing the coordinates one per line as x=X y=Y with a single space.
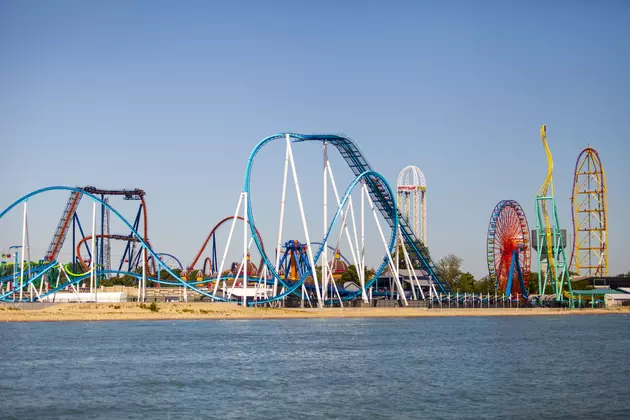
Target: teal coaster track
x=380 y=193
x=77 y=279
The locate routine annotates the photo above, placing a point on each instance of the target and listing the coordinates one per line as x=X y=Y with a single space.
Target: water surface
x=491 y=367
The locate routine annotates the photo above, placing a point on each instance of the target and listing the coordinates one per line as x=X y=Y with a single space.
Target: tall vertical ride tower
x=412 y=200
x=548 y=239
x=589 y=203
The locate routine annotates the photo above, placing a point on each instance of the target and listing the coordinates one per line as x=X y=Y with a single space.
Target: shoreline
x=65 y=312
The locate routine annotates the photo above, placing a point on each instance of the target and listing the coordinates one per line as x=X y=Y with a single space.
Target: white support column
x=58 y=280
x=227 y=245
x=236 y=276
x=410 y=269
x=280 y=228
x=401 y=291
x=245 y=250
x=325 y=246
x=364 y=296
x=413 y=275
x=345 y=229
x=338 y=295
x=354 y=231
x=22 y=252
x=93 y=244
x=309 y=249
x=93 y=235
x=144 y=273
x=31 y=287
x=397 y=258
x=72 y=285
x=240 y=269
x=341 y=231
x=41 y=283
x=431 y=289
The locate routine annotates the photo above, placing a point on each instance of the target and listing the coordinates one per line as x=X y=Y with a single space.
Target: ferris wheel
x=509 y=254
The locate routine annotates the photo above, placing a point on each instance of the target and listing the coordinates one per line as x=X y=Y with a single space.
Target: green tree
x=464 y=283
x=485 y=285
x=119 y=281
x=532 y=285
x=450 y=268
x=351 y=274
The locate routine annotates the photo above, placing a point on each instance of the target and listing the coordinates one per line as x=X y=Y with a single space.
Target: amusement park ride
x=69 y=217
x=589 y=203
x=509 y=255
x=549 y=240
x=311 y=271
x=412 y=200
x=308 y=270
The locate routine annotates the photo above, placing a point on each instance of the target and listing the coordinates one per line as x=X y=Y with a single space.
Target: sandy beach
x=219 y=311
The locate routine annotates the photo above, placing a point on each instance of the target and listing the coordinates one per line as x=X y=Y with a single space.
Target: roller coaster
x=549 y=239
x=589 y=203
x=312 y=272
x=69 y=218
x=508 y=239
x=299 y=269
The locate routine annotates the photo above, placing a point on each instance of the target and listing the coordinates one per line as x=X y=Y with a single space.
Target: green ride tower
x=553 y=267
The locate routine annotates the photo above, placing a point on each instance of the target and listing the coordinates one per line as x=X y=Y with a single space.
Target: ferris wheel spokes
x=508 y=248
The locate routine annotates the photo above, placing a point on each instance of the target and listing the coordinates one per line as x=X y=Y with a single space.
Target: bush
x=153 y=307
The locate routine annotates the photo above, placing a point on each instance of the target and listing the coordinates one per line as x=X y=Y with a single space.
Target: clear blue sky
x=172 y=96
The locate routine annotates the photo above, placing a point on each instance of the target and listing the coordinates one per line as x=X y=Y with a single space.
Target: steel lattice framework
x=375 y=196
x=589 y=203
x=412 y=200
x=508 y=248
x=553 y=267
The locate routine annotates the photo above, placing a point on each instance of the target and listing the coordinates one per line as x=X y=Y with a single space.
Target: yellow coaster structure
x=589 y=203
x=550 y=240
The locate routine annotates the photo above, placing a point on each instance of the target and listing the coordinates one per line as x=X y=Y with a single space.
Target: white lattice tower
x=412 y=200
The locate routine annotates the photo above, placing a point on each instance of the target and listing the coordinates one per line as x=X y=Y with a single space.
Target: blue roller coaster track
x=377 y=188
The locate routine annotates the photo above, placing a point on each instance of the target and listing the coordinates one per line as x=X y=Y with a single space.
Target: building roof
x=596 y=292
x=406 y=275
x=612 y=282
x=404 y=272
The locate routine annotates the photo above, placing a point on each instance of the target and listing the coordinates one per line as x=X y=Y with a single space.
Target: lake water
x=490 y=367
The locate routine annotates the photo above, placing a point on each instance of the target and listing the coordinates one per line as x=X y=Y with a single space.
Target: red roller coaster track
x=191 y=267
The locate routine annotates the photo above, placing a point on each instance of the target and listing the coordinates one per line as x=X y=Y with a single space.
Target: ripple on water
x=496 y=367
